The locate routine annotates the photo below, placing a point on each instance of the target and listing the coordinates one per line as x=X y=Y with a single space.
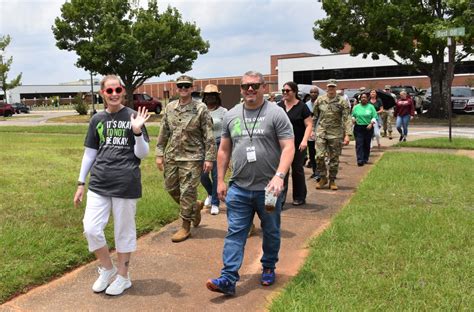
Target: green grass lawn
x=456 y=143
x=85 y=118
x=69 y=129
x=403 y=243
x=40 y=230
x=458 y=120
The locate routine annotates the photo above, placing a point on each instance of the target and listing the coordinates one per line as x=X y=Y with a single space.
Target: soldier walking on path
x=334 y=124
x=259 y=136
x=186 y=147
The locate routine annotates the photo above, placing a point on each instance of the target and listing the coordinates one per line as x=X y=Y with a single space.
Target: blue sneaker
x=222 y=285
x=268 y=276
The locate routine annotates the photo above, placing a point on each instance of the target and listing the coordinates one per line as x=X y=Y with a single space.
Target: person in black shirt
x=300 y=117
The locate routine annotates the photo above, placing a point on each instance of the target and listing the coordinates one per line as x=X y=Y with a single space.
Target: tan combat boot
x=197 y=213
x=332 y=185
x=322 y=182
x=183 y=233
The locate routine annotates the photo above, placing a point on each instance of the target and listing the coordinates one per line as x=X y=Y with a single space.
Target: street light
x=92 y=94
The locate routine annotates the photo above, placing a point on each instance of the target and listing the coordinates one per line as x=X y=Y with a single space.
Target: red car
x=6 y=110
x=143 y=99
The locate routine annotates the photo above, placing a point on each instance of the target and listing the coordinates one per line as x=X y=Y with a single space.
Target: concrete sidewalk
x=167 y=276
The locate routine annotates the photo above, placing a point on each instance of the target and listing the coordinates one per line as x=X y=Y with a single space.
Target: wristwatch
x=79 y=183
x=280 y=175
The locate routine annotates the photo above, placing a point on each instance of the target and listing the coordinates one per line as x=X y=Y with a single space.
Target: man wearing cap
x=387 y=116
x=185 y=148
x=334 y=126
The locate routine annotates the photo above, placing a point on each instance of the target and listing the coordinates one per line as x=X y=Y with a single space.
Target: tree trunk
x=437 y=107
x=129 y=89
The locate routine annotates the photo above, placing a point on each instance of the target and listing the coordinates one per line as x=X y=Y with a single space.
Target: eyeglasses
x=117 y=90
x=247 y=86
x=286 y=90
x=183 y=86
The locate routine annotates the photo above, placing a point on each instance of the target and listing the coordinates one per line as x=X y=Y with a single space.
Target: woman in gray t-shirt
x=211 y=97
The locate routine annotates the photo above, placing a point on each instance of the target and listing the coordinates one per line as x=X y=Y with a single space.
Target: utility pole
x=92 y=94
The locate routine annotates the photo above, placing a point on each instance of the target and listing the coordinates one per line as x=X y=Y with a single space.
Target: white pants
x=96 y=217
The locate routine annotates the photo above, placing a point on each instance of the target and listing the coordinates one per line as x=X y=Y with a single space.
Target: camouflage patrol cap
x=387 y=87
x=361 y=89
x=331 y=83
x=184 y=79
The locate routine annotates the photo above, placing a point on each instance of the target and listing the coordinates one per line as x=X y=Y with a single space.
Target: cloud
x=242 y=35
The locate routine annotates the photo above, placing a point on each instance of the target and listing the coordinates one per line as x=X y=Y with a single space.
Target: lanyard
x=245 y=124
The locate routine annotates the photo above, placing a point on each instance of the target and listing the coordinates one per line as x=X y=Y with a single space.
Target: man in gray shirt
x=259 y=137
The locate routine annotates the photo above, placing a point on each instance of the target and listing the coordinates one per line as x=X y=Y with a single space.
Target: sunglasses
x=286 y=90
x=117 y=90
x=247 y=86
x=184 y=86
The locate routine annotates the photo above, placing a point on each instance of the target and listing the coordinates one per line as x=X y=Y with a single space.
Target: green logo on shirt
x=236 y=130
x=100 y=132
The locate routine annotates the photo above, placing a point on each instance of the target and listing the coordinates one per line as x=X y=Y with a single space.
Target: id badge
x=251 y=156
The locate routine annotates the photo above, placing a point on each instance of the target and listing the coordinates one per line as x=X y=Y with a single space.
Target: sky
x=242 y=36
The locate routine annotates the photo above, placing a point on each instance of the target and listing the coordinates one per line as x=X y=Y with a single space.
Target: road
x=37 y=118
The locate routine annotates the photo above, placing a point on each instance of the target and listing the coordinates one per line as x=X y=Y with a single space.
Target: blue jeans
x=211 y=186
x=402 y=124
x=241 y=207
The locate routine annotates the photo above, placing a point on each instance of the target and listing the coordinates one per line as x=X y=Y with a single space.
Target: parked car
x=426 y=102
x=351 y=95
x=20 y=108
x=412 y=91
x=144 y=100
x=6 y=110
x=304 y=90
x=462 y=99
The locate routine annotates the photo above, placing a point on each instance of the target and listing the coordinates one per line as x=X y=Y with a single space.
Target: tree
x=404 y=31
x=119 y=37
x=5 y=64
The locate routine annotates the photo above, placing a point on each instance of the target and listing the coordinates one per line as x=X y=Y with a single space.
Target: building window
x=308 y=76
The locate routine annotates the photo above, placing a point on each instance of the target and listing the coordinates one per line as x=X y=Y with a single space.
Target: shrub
x=79 y=105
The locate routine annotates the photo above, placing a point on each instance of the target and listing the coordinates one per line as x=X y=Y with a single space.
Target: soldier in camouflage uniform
x=186 y=147
x=334 y=125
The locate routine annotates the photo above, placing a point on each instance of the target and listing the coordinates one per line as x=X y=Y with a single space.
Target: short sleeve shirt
x=116 y=170
x=271 y=125
x=297 y=115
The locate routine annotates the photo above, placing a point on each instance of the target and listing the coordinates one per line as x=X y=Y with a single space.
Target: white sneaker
x=119 y=285
x=105 y=278
x=207 y=202
x=214 y=210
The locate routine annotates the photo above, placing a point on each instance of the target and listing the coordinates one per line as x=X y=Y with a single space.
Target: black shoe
x=299 y=202
x=312 y=176
x=360 y=164
x=405 y=138
x=401 y=138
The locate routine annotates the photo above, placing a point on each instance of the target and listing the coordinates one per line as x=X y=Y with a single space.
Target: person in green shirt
x=364 y=116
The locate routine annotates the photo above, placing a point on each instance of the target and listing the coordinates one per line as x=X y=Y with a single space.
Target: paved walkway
x=168 y=276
